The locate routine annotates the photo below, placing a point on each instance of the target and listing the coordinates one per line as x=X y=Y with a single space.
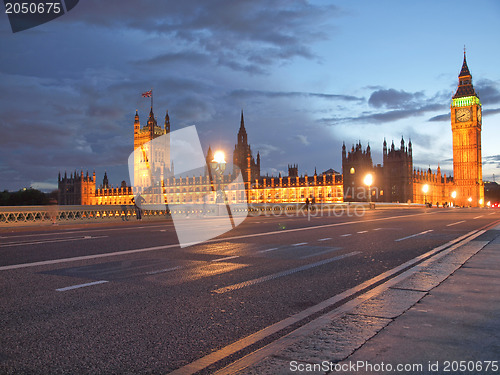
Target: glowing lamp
x=368 y=180
x=219 y=157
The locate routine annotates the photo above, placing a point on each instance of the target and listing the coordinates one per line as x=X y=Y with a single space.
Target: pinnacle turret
x=465 y=87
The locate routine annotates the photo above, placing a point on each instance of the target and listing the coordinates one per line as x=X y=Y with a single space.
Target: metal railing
x=11 y=215
x=18 y=215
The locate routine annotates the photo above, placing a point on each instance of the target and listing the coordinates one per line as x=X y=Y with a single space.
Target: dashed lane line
x=89 y=230
x=273 y=276
x=163 y=270
x=265 y=251
x=226 y=258
x=81 y=285
x=458 y=222
x=363 y=231
x=225 y=352
x=325 y=239
x=477 y=217
x=346 y=235
x=414 y=235
x=154 y=248
x=52 y=241
x=299 y=244
x=320 y=253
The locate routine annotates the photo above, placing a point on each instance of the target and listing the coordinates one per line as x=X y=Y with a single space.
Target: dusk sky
x=307 y=74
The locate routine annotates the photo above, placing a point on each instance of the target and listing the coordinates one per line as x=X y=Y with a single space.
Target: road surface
x=125 y=298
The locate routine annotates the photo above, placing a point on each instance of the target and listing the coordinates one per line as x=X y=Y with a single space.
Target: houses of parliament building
x=395 y=180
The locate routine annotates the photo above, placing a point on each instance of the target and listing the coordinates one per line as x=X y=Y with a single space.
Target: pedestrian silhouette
x=137 y=201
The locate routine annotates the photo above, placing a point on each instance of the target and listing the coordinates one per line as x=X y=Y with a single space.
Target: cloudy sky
x=308 y=75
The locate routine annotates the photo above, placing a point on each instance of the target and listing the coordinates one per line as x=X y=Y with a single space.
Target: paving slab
x=459 y=320
x=449 y=310
x=389 y=304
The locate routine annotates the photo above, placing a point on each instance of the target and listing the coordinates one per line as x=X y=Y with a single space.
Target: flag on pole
x=147 y=94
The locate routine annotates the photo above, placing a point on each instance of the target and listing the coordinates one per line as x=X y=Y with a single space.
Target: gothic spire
x=242 y=133
x=464 y=72
x=167 y=123
x=465 y=87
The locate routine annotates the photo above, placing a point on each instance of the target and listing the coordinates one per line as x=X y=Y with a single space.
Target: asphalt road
x=125 y=298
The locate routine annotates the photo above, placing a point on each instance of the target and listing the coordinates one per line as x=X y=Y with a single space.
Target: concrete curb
x=336 y=335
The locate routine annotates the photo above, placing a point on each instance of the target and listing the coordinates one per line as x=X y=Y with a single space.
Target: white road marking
x=300 y=244
x=245 y=342
x=281 y=274
x=378 y=228
x=68 y=231
x=477 y=217
x=493 y=213
x=51 y=241
x=164 y=270
x=346 y=235
x=81 y=285
x=154 y=248
x=321 y=252
x=458 y=222
x=226 y=258
x=325 y=239
x=265 y=251
x=363 y=231
x=413 y=235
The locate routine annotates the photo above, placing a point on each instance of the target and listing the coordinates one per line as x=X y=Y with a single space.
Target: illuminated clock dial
x=463 y=114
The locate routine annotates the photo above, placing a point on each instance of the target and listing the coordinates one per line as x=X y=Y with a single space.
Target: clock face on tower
x=463 y=114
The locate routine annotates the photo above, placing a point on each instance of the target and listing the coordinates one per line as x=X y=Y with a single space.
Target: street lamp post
x=218 y=165
x=425 y=189
x=470 y=201
x=368 y=180
x=454 y=195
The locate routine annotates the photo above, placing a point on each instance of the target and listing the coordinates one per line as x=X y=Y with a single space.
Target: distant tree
x=24 y=197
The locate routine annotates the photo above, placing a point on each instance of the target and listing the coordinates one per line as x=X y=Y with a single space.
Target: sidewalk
x=419 y=322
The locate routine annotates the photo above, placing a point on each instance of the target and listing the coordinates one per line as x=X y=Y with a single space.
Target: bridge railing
x=22 y=215
x=11 y=215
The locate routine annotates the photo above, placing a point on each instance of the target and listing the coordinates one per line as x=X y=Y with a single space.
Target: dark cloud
x=292 y=94
x=394 y=99
x=384 y=117
x=493 y=159
x=176 y=57
x=488 y=91
x=224 y=32
x=488 y=112
x=445 y=117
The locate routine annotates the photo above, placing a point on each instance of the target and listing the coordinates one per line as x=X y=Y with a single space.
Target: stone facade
x=395 y=180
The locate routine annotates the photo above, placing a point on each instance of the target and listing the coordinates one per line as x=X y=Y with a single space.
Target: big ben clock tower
x=466 y=128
